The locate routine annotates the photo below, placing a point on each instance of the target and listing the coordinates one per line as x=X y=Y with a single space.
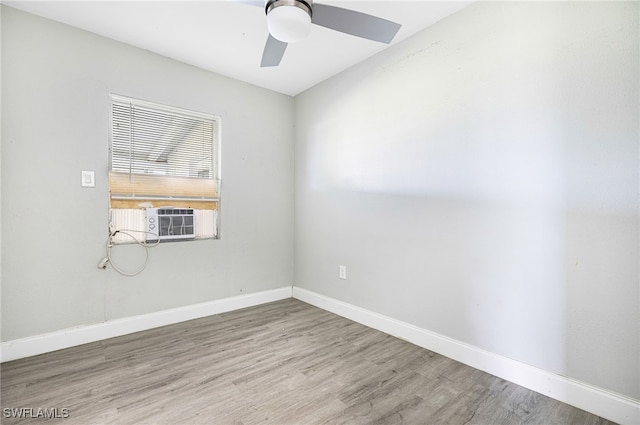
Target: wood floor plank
x=279 y=363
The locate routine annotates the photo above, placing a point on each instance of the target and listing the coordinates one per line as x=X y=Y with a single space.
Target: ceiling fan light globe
x=289 y=24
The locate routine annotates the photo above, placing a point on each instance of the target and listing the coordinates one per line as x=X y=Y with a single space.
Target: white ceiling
x=227 y=37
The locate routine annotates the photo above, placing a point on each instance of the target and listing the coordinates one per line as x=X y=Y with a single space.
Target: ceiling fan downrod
x=307 y=6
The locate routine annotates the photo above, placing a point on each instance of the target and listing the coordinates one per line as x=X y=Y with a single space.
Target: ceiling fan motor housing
x=289 y=20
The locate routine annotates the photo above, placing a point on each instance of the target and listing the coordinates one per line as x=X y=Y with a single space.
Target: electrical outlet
x=343 y=272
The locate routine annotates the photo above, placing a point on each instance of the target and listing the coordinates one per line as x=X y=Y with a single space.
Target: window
x=163 y=160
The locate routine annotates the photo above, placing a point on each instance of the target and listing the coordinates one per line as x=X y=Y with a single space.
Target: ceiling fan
x=289 y=21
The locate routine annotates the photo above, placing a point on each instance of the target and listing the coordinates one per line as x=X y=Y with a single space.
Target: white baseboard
x=600 y=402
x=608 y=405
x=39 y=344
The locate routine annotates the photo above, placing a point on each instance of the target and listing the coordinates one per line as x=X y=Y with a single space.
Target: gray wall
x=55 y=118
x=480 y=180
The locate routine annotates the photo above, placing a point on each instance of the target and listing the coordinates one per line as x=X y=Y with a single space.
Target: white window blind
x=162 y=156
x=160 y=140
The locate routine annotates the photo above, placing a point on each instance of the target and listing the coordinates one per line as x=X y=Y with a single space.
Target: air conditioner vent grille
x=175 y=211
x=168 y=224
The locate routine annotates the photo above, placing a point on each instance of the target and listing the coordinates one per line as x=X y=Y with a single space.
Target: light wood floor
x=279 y=363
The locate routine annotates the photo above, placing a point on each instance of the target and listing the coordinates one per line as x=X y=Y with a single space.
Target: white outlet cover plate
x=343 y=272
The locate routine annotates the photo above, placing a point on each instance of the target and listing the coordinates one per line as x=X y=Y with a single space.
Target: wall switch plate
x=343 y=272
x=88 y=179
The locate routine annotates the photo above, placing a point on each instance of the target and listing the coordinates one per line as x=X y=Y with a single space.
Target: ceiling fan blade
x=273 y=52
x=354 y=23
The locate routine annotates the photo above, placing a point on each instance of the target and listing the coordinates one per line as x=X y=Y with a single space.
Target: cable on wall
x=106 y=260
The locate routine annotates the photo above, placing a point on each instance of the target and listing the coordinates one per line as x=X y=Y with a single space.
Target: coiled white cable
x=143 y=243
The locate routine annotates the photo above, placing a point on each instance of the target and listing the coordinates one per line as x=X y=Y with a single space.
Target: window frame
x=133 y=191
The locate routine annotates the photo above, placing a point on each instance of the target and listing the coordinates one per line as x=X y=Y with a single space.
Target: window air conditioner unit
x=170 y=224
